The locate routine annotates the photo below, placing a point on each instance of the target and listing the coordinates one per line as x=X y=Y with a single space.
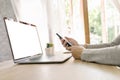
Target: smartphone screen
x=60 y=37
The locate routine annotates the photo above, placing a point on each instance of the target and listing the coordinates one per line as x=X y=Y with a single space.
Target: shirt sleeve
x=107 y=55
x=116 y=41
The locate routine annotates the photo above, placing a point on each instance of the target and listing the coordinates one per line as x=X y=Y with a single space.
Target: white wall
x=6 y=10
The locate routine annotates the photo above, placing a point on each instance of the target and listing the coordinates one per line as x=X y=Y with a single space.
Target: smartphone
x=60 y=37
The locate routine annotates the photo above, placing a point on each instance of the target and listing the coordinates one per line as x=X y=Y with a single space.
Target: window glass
x=104 y=20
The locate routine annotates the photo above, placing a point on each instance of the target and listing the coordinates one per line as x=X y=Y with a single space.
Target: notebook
x=26 y=46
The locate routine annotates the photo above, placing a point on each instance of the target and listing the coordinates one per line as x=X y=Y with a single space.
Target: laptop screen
x=23 y=38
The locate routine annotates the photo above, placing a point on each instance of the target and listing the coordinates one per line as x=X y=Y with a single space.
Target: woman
x=105 y=53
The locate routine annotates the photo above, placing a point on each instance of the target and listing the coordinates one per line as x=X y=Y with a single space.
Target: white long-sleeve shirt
x=106 y=53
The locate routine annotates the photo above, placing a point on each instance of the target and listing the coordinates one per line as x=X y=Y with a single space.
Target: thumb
x=67 y=38
x=68 y=48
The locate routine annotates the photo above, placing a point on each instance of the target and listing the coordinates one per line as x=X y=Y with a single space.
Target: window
x=104 y=20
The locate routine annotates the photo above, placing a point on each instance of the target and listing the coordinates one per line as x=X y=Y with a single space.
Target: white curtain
x=56 y=20
x=117 y=4
x=50 y=17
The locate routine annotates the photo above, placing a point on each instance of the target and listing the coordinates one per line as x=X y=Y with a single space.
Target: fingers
x=72 y=41
x=68 y=48
x=67 y=38
x=64 y=42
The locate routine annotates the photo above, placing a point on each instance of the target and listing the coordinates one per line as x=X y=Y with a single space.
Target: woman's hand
x=76 y=51
x=71 y=40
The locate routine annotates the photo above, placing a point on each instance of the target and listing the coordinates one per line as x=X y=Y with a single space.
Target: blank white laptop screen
x=23 y=38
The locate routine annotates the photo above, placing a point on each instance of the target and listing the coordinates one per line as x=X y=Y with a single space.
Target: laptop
x=26 y=46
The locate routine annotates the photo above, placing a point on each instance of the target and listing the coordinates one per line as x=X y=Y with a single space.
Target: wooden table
x=70 y=70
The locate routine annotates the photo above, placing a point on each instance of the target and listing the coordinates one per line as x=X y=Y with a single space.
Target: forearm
x=103 y=45
x=115 y=42
x=94 y=46
x=108 y=55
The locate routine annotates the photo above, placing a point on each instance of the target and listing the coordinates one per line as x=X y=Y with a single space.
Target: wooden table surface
x=70 y=70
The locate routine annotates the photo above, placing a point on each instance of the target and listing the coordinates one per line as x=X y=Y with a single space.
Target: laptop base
x=44 y=59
